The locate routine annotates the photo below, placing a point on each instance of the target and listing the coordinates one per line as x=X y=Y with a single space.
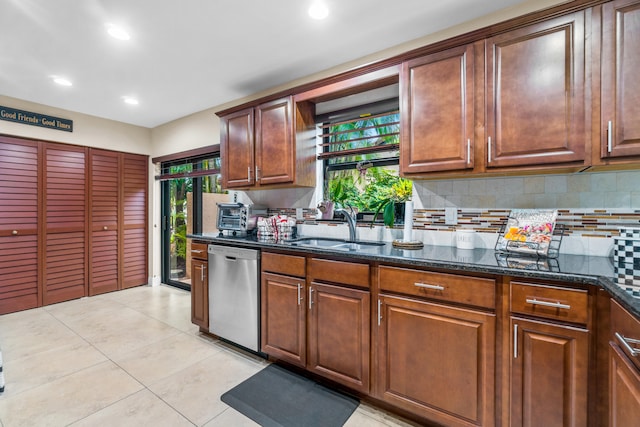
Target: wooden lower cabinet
x=436 y=361
x=200 y=293
x=338 y=338
x=549 y=374
x=624 y=389
x=284 y=315
x=624 y=368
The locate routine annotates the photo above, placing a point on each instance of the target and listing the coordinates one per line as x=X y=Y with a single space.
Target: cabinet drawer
x=199 y=250
x=290 y=265
x=625 y=327
x=567 y=305
x=441 y=286
x=343 y=272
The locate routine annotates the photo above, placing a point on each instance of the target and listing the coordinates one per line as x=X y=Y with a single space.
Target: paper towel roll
x=407 y=235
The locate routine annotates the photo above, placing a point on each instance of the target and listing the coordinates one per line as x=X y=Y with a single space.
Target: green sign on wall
x=34 y=119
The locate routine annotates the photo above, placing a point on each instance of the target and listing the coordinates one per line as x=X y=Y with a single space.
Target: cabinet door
x=104 y=211
x=65 y=275
x=624 y=404
x=438 y=115
x=339 y=343
x=275 y=145
x=284 y=318
x=200 y=293
x=237 y=149
x=134 y=221
x=620 y=83
x=437 y=361
x=18 y=225
x=536 y=94
x=549 y=366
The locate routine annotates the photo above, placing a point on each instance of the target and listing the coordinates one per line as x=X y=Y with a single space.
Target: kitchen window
x=359 y=150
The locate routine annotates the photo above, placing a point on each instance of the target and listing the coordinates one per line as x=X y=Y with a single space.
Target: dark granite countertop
x=590 y=270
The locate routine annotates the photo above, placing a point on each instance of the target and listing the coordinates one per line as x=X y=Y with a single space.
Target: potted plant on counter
x=391 y=200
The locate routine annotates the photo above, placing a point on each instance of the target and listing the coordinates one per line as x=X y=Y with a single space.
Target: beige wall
x=88 y=130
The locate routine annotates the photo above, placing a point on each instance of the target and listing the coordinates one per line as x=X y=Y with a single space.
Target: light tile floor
x=127 y=358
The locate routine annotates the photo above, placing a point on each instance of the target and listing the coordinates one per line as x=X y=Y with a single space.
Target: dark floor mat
x=276 y=397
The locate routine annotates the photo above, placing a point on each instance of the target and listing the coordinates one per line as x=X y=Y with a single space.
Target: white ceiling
x=189 y=55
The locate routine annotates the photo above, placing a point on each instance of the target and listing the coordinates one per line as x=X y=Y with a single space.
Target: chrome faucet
x=351 y=220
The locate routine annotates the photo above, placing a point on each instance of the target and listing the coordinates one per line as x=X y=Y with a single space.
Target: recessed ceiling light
x=318 y=10
x=117 y=32
x=62 y=81
x=130 y=100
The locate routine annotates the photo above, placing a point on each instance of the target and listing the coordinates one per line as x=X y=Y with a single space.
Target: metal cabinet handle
x=257 y=173
x=105 y=228
x=548 y=304
x=299 y=294
x=428 y=286
x=609 y=136
x=14 y=232
x=310 y=297
x=625 y=342
x=515 y=341
x=379 y=311
x=249 y=173
x=202 y=270
x=489 y=150
x=468 y=151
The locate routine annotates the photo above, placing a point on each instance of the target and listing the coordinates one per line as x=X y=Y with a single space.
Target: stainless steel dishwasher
x=234 y=295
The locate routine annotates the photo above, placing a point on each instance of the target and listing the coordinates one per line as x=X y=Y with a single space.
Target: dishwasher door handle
x=230 y=258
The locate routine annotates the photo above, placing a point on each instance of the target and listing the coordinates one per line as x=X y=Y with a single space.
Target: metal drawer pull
x=299 y=293
x=625 y=342
x=14 y=232
x=427 y=286
x=609 y=136
x=379 y=312
x=202 y=270
x=489 y=150
x=548 y=304
x=468 y=151
x=195 y=251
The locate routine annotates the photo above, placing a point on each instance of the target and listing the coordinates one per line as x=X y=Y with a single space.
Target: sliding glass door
x=190 y=191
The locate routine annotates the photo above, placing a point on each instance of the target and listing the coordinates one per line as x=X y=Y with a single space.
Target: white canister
x=465 y=239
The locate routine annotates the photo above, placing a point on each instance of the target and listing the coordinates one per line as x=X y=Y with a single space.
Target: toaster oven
x=238 y=217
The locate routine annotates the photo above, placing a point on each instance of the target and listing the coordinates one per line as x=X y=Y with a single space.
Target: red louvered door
x=134 y=220
x=64 y=274
x=104 y=197
x=18 y=224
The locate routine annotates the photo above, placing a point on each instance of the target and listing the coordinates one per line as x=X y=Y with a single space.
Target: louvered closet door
x=18 y=225
x=104 y=196
x=134 y=224
x=65 y=220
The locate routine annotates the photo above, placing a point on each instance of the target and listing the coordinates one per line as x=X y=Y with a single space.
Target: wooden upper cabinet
x=437 y=112
x=268 y=145
x=535 y=82
x=620 y=93
x=275 y=146
x=237 y=149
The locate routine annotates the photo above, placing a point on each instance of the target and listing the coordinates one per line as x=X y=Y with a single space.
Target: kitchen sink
x=334 y=243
